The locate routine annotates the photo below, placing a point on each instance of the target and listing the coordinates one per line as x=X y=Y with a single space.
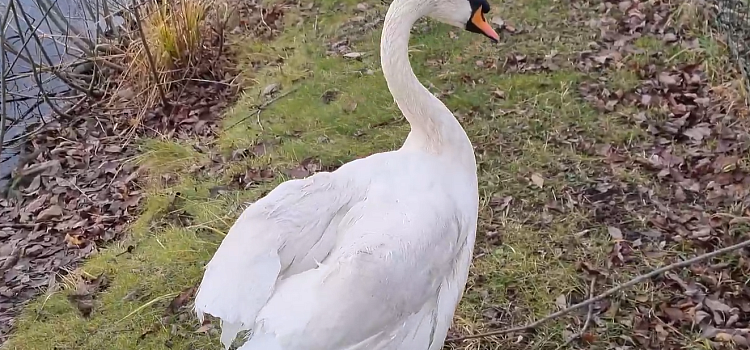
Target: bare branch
x=609 y=292
x=63 y=25
x=108 y=18
x=58 y=74
x=26 y=40
x=3 y=89
x=37 y=79
x=586 y=323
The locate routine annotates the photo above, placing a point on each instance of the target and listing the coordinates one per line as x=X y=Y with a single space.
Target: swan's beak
x=478 y=21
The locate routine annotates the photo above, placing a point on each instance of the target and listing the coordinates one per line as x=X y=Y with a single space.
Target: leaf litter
x=698 y=191
x=77 y=188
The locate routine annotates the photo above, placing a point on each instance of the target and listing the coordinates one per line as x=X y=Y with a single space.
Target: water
x=23 y=99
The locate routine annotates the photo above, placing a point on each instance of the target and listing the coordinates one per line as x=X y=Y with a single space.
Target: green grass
x=521 y=134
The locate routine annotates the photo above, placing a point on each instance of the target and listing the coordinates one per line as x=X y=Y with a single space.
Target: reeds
x=162 y=41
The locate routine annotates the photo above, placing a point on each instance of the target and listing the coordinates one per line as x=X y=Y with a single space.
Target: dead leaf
x=75 y=240
x=54 y=211
x=561 y=302
x=615 y=233
x=182 y=299
x=674 y=314
x=667 y=79
x=537 y=180
x=697 y=133
x=204 y=328
x=353 y=55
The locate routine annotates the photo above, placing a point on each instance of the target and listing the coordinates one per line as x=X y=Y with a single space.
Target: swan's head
x=467 y=14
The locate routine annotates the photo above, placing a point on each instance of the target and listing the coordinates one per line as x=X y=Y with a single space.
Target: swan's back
x=389 y=247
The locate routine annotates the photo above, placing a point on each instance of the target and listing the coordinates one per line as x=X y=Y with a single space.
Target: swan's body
x=372 y=256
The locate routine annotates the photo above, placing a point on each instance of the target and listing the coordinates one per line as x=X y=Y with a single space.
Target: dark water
x=23 y=101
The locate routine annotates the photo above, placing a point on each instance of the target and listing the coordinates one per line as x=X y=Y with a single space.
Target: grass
x=173 y=32
x=527 y=255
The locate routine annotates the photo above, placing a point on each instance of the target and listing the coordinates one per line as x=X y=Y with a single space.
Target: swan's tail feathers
x=237 y=283
x=229 y=332
x=263 y=341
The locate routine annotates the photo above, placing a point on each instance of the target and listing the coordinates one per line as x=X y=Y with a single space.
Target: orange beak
x=478 y=20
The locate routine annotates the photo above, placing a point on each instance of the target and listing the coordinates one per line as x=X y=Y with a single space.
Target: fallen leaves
x=85 y=292
x=74 y=195
x=182 y=299
x=307 y=167
x=615 y=233
x=78 y=190
x=537 y=180
x=697 y=181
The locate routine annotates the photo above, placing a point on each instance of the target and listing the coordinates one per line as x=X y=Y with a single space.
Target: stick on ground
x=586 y=323
x=609 y=292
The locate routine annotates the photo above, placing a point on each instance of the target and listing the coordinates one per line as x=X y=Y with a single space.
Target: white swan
x=374 y=255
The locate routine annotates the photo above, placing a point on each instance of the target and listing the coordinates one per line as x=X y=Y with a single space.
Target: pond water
x=23 y=102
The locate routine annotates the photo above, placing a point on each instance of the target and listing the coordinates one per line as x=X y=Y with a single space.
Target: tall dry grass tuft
x=172 y=33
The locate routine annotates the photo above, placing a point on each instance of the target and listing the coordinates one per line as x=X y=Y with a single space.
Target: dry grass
x=174 y=33
x=526 y=253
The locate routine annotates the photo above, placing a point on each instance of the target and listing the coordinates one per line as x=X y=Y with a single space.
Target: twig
x=260 y=108
x=36 y=77
x=589 y=314
x=59 y=75
x=3 y=90
x=59 y=20
x=108 y=18
x=609 y=292
x=8 y=47
x=150 y=58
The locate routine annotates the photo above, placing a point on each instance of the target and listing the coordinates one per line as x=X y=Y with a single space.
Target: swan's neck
x=434 y=128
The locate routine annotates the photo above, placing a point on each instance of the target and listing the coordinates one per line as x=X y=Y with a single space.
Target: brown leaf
x=500 y=203
x=182 y=299
x=716 y=305
x=113 y=149
x=614 y=232
x=588 y=338
x=75 y=240
x=674 y=314
x=537 y=180
x=350 y=107
x=54 y=211
x=697 y=133
x=297 y=172
x=724 y=337
x=85 y=292
x=204 y=328
x=561 y=302
x=667 y=79
x=611 y=312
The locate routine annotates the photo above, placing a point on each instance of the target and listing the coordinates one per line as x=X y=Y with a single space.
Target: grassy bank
x=317 y=100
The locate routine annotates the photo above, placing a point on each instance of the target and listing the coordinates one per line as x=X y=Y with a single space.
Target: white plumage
x=374 y=255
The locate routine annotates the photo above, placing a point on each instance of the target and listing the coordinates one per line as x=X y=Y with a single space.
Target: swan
x=374 y=255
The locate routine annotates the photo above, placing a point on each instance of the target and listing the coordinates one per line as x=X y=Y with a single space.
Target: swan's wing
x=380 y=287
x=286 y=232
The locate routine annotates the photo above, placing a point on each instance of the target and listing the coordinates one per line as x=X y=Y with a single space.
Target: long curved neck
x=434 y=128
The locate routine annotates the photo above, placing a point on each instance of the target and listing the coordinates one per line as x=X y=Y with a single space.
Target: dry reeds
x=173 y=32
x=168 y=45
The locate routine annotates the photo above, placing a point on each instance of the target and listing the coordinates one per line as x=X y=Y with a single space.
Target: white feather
x=372 y=256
